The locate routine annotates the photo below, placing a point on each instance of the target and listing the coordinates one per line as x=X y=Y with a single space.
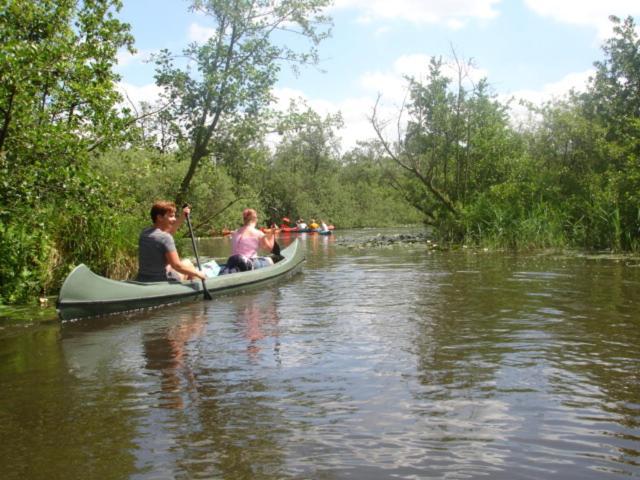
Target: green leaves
x=57 y=103
x=457 y=142
x=235 y=69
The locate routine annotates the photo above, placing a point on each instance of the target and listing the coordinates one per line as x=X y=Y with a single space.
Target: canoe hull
x=85 y=294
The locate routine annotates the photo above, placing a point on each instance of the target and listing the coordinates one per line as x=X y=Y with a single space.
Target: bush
x=25 y=249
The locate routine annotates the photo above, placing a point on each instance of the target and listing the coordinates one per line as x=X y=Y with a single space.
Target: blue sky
x=533 y=49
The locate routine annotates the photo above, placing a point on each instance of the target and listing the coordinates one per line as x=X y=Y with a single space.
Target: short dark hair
x=161 y=207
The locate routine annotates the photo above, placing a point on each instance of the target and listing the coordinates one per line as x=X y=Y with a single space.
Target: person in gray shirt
x=158 y=259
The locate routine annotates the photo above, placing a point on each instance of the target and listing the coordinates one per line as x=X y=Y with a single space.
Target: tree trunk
x=7 y=119
x=199 y=152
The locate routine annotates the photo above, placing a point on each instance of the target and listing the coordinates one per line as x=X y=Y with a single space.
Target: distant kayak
x=302 y=230
x=297 y=230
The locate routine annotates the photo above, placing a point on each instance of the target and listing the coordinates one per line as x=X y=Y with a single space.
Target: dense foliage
x=570 y=179
x=78 y=174
x=57 y=100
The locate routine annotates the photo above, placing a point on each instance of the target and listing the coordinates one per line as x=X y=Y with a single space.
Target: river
x=373 y=363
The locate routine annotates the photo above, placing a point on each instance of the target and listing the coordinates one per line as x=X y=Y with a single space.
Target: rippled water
x=378 y=363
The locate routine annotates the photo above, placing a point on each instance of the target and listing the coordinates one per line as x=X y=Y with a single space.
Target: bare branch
x=427 y=181
x=101 y=140
x=211 y=217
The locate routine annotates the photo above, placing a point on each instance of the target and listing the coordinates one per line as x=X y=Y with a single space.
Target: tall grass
x=40 y=247
x=502 y=224
x=514 y=224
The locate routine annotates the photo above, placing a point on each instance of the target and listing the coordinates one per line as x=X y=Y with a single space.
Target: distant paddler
x=285 y=222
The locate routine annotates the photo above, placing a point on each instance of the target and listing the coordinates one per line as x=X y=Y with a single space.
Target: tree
x=236 y=69
x=456 y=142
x=614 y=94
x=57 y=92
x=613 y=103
x=309 y=142
x=304 y=164
x=57 y=106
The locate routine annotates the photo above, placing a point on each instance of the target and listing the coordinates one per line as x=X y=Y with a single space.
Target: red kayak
x=303 y=230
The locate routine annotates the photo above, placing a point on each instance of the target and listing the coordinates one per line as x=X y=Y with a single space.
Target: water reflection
x=515 y=339
x=320 y=244
x=258 y=319
x=167 y=352
x=54 y=423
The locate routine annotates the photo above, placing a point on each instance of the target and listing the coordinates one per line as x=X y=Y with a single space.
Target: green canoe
x=85 y=294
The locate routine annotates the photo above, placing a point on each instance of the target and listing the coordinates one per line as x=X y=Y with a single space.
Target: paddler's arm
x=186 y=210
x=267 y=240
x=174 y=261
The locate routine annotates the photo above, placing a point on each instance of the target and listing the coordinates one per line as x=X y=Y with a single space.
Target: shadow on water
x=52 y=423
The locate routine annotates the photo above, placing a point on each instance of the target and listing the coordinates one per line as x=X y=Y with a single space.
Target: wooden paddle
x=206 y=294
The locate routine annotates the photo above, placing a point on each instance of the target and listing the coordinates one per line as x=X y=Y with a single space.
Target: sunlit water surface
x=371 y=364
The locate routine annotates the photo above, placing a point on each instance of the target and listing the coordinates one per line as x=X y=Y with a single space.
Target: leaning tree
x=222 y=87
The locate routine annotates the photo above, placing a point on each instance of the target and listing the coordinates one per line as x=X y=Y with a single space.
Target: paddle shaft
x=205 y=292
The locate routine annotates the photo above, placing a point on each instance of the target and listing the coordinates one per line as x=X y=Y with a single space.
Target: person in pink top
x=247 y=240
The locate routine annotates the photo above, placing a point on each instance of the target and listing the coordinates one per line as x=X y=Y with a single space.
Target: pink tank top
x=245 y=241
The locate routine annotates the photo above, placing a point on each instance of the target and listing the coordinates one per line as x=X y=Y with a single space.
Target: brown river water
x=372 y=363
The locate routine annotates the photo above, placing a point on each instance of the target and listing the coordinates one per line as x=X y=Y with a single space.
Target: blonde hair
x=249 y=214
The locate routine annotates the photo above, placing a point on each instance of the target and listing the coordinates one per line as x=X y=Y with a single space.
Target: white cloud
x=455 y=24
x=592 y=13
x=555 y=90
x=199 y=33
x=356 y=111
x=452 y=13
x=355 y=114
x=126 y=59
x=577 y=81
x=388 y=84
x=413 y=65
x=136 y=94
x=392 y=84
x=382 y=30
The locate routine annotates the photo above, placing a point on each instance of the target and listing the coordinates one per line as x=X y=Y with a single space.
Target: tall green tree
x=57 y=107
x=57 y=91
x=613 y=103
x=457 y=142
x=305 y=164
x=614 y=94
x=236 y=68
